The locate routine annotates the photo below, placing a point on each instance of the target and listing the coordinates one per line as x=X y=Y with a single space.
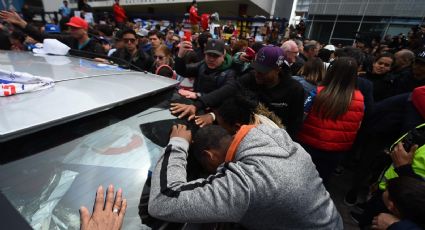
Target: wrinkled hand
x=181 y=131
x=188 y=94
x=185 y=46
x=383 y=221
x=13 y=18
x=107 y=215
x=183 y=110
x=204 y=120
x=400 y=157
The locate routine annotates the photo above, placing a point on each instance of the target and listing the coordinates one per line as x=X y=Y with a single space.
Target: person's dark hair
x=157 y=33
x=105 y=29
x=4 y=41
x=324 y=54
x=339 y=85
x=118 y=35
x=239 y=46
x=408 y=195
x=257 y=46
x=203 y=39
x=207 y=138
x=128 y=31
x=18 y=35
x=386 y=54
x=238 y=109
x=348 y=51
x=313 y=71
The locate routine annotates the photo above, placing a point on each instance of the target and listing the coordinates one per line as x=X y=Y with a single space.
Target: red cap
x=78 y=22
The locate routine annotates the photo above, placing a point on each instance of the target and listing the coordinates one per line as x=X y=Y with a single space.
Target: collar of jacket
x=227 y=63
x=240 y=135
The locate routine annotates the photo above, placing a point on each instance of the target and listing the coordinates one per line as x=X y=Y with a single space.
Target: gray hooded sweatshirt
x=271 y=184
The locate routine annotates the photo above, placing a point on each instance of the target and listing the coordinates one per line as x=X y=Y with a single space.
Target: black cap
x=215 y=46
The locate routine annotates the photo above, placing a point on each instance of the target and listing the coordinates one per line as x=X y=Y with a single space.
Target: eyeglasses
x=158 y=57
x=131 y=40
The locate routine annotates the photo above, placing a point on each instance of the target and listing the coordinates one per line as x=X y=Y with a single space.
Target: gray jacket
x=272 y=184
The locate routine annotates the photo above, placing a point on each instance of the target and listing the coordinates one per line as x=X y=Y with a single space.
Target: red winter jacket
x=119 y=13
x=333 y=136
x=193 y=16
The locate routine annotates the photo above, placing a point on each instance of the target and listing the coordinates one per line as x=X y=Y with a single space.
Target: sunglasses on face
x=158 y=57
x=131 y=40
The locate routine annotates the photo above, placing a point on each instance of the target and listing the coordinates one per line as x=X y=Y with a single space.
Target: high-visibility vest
x=418 y=163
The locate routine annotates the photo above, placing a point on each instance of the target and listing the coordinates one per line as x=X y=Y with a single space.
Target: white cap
x=52 y=46
x=330 y=47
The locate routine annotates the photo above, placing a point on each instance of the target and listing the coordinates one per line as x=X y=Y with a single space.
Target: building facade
x=339 y=21
x=233 y=8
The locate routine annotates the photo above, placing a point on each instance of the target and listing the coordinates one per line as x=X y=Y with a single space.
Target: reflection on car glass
x=115 y=146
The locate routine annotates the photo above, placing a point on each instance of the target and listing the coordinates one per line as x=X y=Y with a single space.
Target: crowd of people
x=276 y=120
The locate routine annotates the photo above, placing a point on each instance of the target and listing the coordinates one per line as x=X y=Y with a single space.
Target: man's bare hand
x=181 y=131
x=204 y=120
x=107 y=215
x=13 y=18
x=383 y=221
x=185 y=47
x=188 y=94
x=183 y=110
x=400 y=157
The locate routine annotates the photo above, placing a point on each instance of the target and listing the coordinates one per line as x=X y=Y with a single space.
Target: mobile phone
x=187 y=36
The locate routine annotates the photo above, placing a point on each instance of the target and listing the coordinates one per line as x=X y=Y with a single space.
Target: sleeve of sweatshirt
x=186 y=70
x=223 y=197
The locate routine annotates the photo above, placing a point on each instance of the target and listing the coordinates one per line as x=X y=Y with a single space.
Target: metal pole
x=387 y=27
x=361 y=21
x=336 y=18
x=311 y=27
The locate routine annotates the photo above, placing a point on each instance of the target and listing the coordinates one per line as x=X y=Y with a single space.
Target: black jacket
x=366 y=88
x=286 y=99
x=404 y=225
x=214 y=85
x=92 y=47
x=382 y=85
x=140 y=62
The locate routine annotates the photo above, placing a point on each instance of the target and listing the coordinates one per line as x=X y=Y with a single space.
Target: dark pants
x=326 y=162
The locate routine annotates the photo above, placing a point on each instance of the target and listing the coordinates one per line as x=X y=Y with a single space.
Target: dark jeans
x=326 y=162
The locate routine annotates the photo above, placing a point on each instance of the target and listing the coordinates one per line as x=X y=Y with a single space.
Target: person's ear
x=209 y=155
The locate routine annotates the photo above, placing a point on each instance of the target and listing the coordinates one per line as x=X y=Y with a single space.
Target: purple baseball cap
x=268 y=58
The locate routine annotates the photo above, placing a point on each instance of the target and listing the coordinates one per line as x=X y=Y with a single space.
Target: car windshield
x=117 y=147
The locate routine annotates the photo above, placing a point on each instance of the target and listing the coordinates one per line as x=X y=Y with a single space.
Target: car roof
x=82 y=87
